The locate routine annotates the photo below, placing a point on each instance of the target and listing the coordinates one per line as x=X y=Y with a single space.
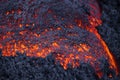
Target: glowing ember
x=55 y=27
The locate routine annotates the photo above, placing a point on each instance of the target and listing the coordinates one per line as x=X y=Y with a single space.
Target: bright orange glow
x=55 y=45
x=85 y=47
x=72 y=43
x=109 y=54
x=20 y=25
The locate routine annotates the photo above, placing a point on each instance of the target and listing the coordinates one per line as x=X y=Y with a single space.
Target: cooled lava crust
x=64 y=28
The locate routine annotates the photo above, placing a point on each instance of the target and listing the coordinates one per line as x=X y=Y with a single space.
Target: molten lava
x=62 y=27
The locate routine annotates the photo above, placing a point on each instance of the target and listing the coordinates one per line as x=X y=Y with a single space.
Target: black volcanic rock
x=30 y=68
x=22 y=67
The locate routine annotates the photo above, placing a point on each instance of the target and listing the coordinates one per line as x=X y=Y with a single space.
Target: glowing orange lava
x=73 y=42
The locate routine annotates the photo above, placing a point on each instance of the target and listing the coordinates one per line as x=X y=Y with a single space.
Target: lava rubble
x=68 y=32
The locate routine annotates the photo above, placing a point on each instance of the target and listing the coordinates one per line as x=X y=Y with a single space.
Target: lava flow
x=63 y=27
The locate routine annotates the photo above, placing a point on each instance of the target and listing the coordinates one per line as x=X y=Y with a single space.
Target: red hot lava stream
x=69 y=32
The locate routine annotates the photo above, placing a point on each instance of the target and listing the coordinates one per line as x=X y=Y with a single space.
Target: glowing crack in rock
x=63 y=27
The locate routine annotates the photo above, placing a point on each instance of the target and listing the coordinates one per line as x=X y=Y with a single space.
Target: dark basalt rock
x=22 y=67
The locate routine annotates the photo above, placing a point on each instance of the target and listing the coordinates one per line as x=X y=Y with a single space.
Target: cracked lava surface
x=60 y=27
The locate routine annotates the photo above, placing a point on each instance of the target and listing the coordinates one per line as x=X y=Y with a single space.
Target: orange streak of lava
x=39 y=45
x=111 y=58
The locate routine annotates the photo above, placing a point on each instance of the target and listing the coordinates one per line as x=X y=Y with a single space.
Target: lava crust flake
x=65 y=28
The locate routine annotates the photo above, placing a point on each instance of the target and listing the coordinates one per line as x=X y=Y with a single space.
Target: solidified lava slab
x=65 y=28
